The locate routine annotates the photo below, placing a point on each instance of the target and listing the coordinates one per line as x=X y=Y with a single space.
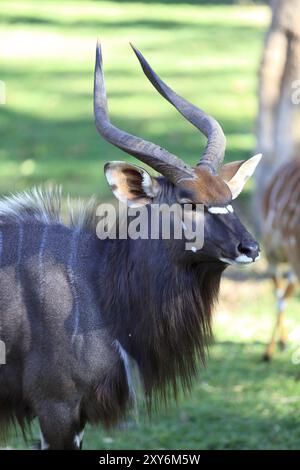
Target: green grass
x=209 y=54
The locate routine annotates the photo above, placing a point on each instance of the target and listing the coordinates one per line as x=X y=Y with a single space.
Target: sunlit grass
x=47 y=58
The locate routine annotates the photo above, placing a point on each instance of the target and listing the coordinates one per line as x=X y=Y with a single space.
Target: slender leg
x=289 y=290
x=277 y=280
x=282 y=295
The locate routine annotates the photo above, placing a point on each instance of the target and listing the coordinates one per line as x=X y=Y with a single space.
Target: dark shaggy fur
x=163 y=324
x=69 y=302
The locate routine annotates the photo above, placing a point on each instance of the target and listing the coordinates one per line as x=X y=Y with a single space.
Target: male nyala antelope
x=75 y=308
x=281 y=211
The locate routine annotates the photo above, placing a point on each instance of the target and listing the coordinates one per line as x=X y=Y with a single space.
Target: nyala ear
x=236 y=174
x=131 y=184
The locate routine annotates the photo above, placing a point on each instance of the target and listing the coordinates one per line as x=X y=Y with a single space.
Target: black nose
x=249 y=248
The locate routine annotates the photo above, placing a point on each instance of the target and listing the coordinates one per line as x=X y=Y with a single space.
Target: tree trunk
x=278 y=124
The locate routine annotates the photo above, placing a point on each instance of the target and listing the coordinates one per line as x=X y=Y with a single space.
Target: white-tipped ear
x=131 y=184
x=245 y=170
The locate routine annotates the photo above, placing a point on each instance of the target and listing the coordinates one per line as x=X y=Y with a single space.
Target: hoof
x=36 y=445
x=282 y=345
x=266 y=357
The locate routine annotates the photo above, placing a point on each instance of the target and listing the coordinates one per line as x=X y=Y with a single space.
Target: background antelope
x=278 y=119
x=281 y=209
x=74 y=309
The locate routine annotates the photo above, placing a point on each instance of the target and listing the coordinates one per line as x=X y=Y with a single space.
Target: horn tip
x=98 y=43
x=98 y=52
x=135 y=50
x=257 y=157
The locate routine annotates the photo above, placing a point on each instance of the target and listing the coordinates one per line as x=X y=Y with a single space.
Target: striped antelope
x=75 y=310
x=281 y=210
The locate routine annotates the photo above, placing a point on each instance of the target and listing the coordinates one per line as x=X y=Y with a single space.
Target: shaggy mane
x=45 y=204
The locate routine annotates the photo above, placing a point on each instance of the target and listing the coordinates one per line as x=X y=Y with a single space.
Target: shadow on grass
x=71 y=152
x=24 y=136
x=203 y=29
x=125 y=23
x=26 y=19
x=192 y=2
